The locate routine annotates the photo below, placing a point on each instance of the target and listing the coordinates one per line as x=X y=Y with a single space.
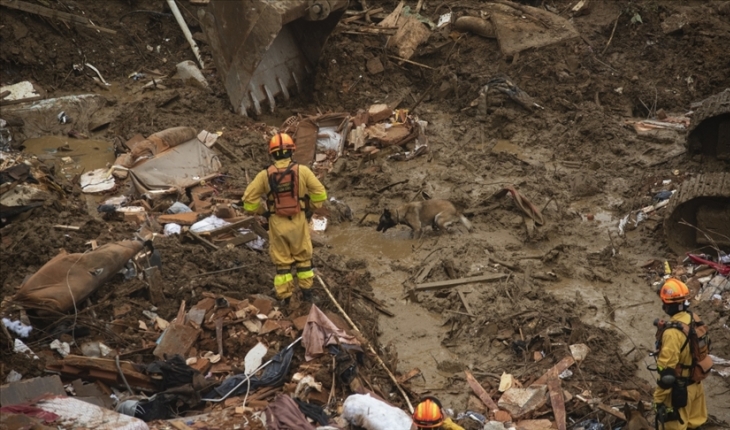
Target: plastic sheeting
x=372 y=414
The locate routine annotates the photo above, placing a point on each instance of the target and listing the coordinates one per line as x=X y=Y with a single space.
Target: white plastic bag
x=172 y=228
x=372 y=414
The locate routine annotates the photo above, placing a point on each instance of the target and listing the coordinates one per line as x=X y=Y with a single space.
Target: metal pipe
x=186 y=31
x=233 y=390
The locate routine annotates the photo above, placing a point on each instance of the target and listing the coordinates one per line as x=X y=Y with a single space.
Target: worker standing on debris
x=679 y=399
x=292 y=192
x=429 y=414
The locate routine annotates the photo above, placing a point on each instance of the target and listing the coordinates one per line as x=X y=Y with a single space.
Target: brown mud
x=572 y=280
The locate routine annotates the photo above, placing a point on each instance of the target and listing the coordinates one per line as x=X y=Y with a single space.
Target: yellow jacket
x=450 y=425
x=672 y=353
x=259 y=188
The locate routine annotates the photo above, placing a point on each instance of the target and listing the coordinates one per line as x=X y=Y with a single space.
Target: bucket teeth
x=270 y=98
x=267 y=54
x=284 y=90
x=256 y=104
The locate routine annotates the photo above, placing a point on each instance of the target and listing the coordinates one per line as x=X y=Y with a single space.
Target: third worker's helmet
x=281 y=142
x=674 y=291
x=428 y=414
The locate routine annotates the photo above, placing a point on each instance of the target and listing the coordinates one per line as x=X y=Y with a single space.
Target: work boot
x=307 y=295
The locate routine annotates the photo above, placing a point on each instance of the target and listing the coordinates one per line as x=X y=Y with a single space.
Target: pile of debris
x=706 y=276
x=322 y=139
x=299 y=362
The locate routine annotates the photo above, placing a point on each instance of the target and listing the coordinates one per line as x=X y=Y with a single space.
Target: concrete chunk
x=23 y=391
x=521 y=401
x=379 y=112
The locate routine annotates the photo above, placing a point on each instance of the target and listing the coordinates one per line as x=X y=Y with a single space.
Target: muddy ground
x=572 y=280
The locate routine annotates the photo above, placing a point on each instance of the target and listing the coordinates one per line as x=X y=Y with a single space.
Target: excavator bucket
x=265 y=50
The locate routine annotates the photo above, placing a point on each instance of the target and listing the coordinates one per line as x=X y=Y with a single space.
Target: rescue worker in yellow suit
x=429 y=414
x=673 y=364
x=291 y=192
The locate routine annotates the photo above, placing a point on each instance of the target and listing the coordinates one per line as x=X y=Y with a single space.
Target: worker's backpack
x=284 y=190
x=698 y=341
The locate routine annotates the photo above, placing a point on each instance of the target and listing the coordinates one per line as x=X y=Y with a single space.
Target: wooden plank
x=454 y=282
x=177 y=339
x=179 y=425
x=465 y=303
x=377 y=303
x=612 y=411
x=203 y=241
x=184 y=218
x=77 y=366
x=481 y=392
x=15 y=102
x=556 y=399
x=559 y=368
x=50 y=13
x=425 y=272
x=239 y=240
x=66 y=227
x=410 y=375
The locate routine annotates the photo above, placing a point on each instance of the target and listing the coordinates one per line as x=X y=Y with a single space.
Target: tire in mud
x=704 y=202
x=709 y=129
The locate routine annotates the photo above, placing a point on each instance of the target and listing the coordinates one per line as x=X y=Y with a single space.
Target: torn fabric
x=284 y=414
x=320 y=331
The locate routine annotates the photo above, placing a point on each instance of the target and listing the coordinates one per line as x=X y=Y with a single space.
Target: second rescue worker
x=292 y=192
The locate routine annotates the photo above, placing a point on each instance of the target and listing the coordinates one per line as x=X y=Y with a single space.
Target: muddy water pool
x=71 y=156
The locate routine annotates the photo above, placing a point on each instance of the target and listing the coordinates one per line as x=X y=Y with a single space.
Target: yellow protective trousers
x=694 y=414
x=290 y=244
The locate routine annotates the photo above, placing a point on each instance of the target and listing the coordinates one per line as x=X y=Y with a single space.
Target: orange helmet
x=674 y=291
x=281 y=142
x=428 y=413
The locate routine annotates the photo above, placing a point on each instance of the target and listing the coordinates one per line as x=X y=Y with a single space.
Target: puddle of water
x=415 y=331
x=358 y=242
x=77 y=155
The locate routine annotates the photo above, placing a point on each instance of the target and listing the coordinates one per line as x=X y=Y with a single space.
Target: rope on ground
x=370 y=347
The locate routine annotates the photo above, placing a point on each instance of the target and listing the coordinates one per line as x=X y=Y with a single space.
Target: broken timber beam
x=203 y=241
x=454 y=282
x=50 y=13
x=611 y=411
x=240 y=240
x=557 y=401
x=376 y=303
x=560 y=367
x=481 y=392
x=244 y=223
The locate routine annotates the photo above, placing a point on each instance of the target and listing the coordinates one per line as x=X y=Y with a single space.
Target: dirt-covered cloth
x=319 y=332
x=71 y=278
x=284 y=414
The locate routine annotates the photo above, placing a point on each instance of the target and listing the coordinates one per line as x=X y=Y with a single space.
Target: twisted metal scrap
x=506 y=86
